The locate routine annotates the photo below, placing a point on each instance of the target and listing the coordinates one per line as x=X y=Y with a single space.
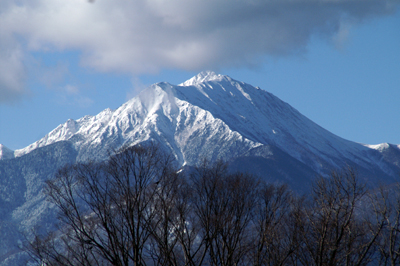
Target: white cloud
x=12 y=70
x=144 y=36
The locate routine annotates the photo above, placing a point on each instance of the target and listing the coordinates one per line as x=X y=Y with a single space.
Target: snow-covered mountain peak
x=162 y=111
x=208 y=105
x=204 y=77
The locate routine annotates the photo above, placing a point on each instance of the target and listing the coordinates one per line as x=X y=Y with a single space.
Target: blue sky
x=337 y=62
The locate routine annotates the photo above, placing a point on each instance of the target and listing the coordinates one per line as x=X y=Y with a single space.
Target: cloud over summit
x=144 y=36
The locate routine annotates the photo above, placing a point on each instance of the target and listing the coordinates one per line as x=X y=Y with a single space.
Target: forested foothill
x=138 y=208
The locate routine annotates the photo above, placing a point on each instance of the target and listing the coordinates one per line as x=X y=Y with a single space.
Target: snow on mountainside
x=383 y=146
x=264 y=118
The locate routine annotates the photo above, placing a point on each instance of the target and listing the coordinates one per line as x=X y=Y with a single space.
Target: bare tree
x=276 y=226
x=386 y=212
x=165 y=225
x=224 y=204
x=192 y=244
x=137 y=209
x=106 y=209
x=335 y=232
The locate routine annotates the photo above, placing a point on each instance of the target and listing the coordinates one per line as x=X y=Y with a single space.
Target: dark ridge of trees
x=136 y=208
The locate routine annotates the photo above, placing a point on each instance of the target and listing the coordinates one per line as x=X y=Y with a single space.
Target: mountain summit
x=203 y=77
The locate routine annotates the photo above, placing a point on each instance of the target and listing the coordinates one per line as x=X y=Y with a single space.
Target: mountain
x=216 y=116
x=5 y=153
x=208 y=116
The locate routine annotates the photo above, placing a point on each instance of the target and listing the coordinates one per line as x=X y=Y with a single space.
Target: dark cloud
x=143 y=36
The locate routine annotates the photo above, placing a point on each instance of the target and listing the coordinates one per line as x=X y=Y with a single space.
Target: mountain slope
x=22 y=202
